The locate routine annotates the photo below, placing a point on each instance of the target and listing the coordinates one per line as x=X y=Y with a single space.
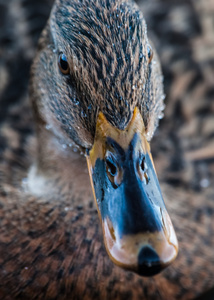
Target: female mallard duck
x=96 y=86
x=96 y=83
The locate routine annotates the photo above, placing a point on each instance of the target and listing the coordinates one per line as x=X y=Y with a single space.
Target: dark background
x=183 y=146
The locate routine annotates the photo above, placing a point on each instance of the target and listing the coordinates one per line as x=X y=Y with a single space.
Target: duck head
x=96 y=82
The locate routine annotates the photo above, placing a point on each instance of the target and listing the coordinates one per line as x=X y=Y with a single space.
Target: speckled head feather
x=111 y=70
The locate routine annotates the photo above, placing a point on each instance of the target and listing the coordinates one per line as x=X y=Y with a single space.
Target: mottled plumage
x=108 y=53
x=51 y=248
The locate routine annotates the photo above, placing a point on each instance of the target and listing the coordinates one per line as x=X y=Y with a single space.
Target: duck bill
x=137 y=230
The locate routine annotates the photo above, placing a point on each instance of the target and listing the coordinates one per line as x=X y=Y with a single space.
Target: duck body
x=51 y=240
x=53 y=249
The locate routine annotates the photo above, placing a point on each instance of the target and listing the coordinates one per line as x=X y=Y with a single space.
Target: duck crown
x=111 y=69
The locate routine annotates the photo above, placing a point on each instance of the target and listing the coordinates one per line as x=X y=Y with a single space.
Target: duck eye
x=149 y=53
x=63 y=64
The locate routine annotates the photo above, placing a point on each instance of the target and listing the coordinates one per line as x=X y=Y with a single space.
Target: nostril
x=111 y=167
x=149 y=263
x=142 y=164
x=143 y=170
x=113 y=171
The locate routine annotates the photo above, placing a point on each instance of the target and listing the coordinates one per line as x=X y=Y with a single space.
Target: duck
x=96 y=88
x=112 y=101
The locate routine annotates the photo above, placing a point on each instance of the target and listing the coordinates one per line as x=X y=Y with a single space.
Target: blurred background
x=183 y=146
